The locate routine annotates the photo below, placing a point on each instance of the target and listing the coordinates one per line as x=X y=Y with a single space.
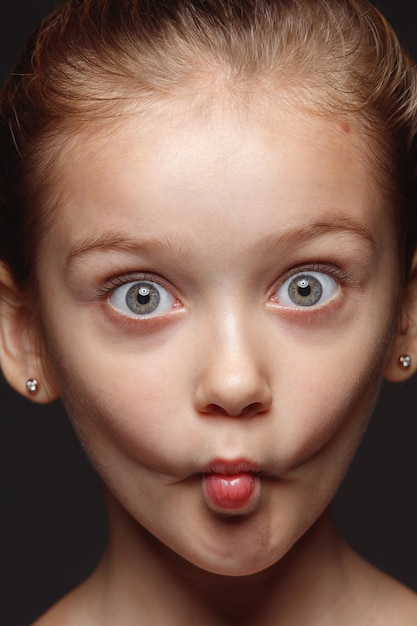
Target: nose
x=233 y=379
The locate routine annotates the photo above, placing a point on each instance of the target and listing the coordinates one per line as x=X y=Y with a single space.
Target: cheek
x=119 y=403
x=328 y=394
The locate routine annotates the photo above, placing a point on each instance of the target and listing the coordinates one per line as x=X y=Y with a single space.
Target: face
x=218 y=294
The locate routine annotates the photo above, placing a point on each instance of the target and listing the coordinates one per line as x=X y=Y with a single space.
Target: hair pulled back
x=94 y=60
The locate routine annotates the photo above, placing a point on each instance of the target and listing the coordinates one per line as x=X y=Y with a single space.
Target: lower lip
x=231 y=493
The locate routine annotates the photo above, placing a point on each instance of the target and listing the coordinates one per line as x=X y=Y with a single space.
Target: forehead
x=184 y=166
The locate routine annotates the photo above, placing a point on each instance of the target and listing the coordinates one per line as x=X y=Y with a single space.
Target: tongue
x=229 y=492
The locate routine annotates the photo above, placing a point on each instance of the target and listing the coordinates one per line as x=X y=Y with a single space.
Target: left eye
x=307 y=289
x=142 y=299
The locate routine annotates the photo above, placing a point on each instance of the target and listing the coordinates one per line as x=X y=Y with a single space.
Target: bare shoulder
x=383 y=600
x=398 y=606
x=74 y=609
x=60 y=613
x=63 y=612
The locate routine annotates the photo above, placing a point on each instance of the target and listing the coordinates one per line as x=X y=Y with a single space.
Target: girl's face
x=218 y=294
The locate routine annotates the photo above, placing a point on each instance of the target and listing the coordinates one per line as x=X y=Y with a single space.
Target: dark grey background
x=52 y=526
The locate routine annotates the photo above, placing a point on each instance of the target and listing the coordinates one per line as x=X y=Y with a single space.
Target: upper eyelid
x=132 y=277
x=322 y=268
x=121 y=279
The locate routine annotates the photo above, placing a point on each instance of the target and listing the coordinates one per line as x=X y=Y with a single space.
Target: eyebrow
x=324 y=226
x=111 y=241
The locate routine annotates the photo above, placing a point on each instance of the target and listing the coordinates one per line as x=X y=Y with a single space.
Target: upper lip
x=230 y=467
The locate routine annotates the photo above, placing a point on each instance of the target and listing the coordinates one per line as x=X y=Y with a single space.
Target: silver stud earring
x=32 y=385
x=405 y=361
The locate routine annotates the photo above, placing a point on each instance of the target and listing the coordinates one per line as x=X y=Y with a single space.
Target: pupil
x=304 y=288
x=144 y=295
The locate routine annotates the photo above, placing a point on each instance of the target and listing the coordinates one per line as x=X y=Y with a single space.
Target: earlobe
x=402 y=363
x=399 y=368
x=21 y=357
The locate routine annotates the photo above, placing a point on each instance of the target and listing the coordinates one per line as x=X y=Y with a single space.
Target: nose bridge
x=233 y=377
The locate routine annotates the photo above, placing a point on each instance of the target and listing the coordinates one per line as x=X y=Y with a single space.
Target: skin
x=221 y=210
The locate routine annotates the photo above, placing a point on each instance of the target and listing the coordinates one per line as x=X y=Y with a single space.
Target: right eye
x=142 y=299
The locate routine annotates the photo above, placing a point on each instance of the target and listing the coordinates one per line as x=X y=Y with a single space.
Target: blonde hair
x=92 y=60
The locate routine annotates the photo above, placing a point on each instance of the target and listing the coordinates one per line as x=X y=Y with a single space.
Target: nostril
x=255 y=408
x=214 y=409
x=227 y=390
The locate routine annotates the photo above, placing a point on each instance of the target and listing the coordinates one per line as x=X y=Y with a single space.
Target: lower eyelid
x=138 y=326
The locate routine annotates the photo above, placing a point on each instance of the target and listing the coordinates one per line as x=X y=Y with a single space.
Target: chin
x=240 y=564
x=235 y=570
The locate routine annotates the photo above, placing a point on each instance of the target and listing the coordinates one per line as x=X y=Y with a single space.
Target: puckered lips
x=231 y=487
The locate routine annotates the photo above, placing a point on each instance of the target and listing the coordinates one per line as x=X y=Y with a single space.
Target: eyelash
x=325 y=268
x=119 y=281
x=106 y=290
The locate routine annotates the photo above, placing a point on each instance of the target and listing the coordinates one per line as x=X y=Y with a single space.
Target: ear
x=22 y=355
x=405 y=341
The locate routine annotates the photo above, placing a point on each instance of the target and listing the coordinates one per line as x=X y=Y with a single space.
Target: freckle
x=346 y=127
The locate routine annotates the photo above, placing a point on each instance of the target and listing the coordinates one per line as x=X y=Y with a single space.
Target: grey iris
x=143 y=298
x=305 y=290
